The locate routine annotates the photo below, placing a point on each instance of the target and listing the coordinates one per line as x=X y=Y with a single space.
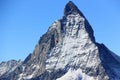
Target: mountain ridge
x=8 y=66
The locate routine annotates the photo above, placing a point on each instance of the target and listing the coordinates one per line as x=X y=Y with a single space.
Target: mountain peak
x=71 y=8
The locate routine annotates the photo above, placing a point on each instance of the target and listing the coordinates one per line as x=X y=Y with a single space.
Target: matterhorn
x=68 y=51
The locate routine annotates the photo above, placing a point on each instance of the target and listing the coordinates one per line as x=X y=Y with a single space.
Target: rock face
x=68 y=51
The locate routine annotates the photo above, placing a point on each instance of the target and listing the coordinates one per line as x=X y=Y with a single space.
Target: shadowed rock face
x=68 y=50
x=71 y=8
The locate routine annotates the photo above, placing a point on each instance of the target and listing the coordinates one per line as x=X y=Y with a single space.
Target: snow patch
x=73 y=74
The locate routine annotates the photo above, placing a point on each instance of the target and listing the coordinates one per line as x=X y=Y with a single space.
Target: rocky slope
x=68 y=51
x=9 y=66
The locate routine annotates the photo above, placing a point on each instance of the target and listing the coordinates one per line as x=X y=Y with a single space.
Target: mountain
x=68 y=51
x=9 y=66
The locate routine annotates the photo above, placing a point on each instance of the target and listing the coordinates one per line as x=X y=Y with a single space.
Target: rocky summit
x=68 y=51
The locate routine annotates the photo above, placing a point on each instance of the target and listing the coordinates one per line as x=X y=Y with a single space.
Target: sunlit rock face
x=68 y=51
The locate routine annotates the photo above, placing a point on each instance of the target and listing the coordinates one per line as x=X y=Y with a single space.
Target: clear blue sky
x=22 y=22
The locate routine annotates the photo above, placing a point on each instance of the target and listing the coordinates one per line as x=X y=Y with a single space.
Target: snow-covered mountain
x=9 y=66
x=68 y=51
